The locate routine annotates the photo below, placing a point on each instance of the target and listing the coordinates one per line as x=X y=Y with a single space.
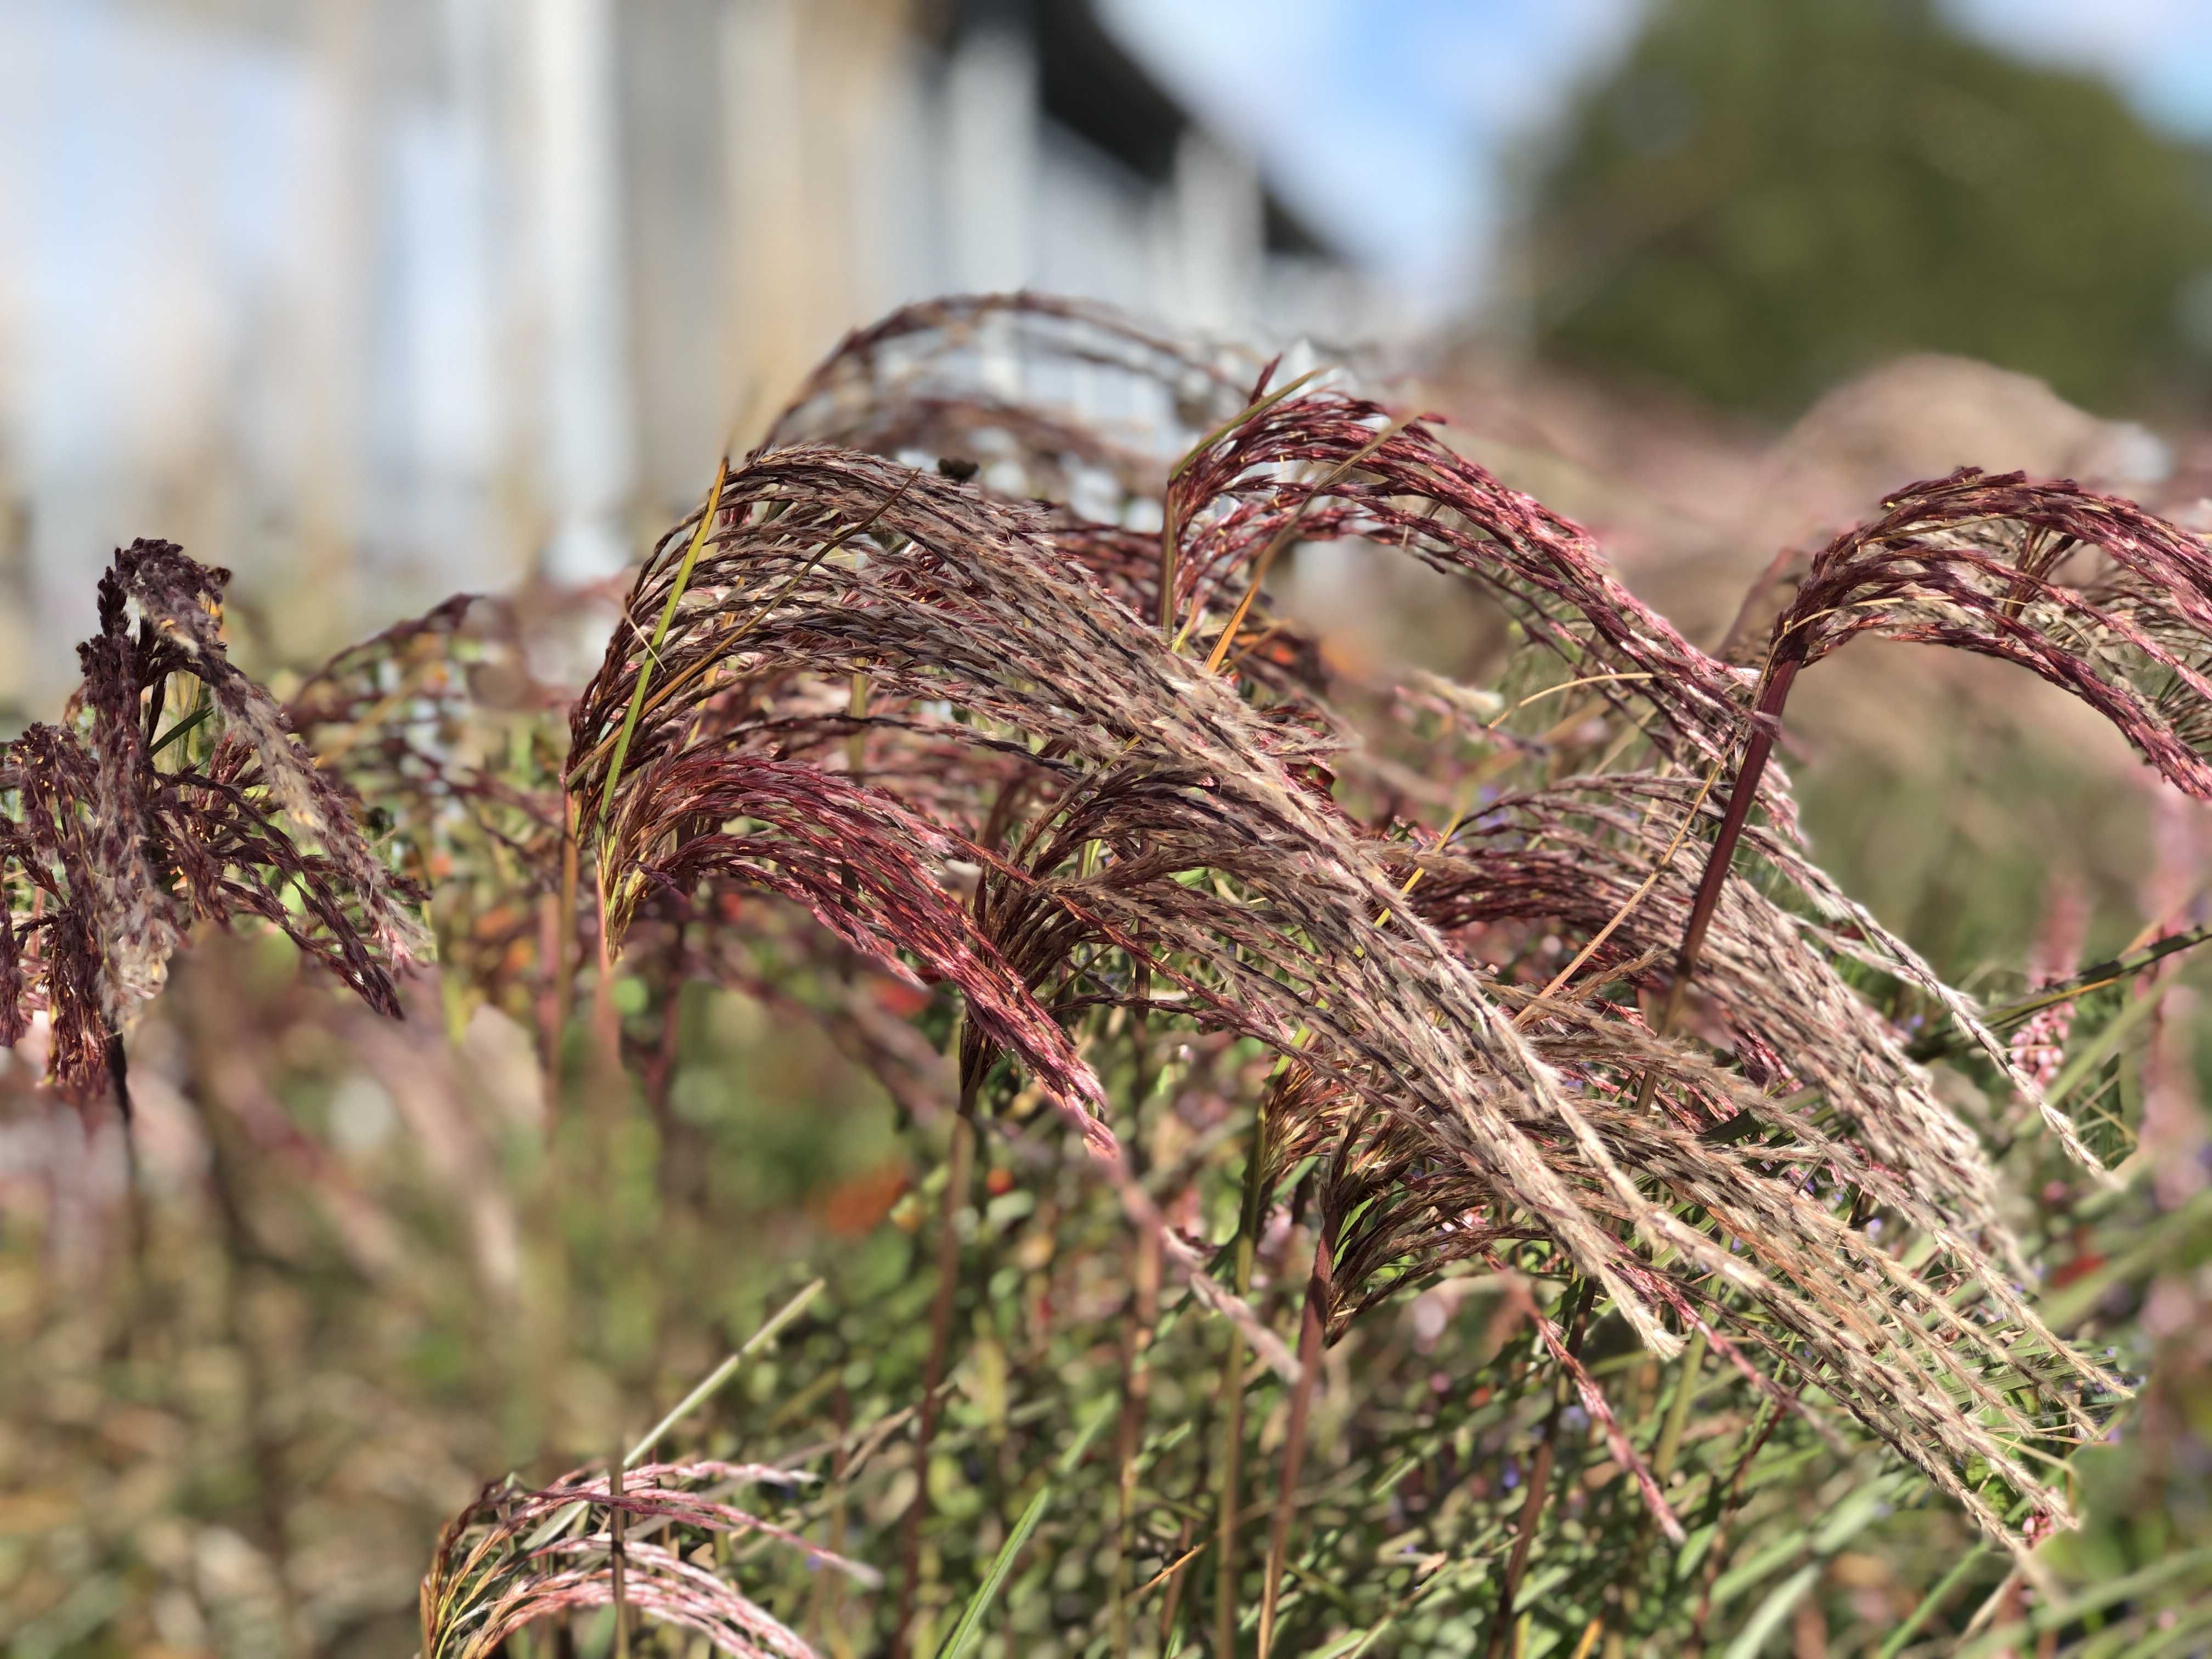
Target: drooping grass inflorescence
x=1084 y=784
x=1133 y=818
x=965 y=703
x=172 y=791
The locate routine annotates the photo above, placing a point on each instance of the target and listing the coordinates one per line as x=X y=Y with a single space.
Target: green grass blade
x=2099 y=1047
x=775 y=1322
x=659 y=633
x=2057 y=1614
x=970 y=1627
x=971 y=1621
x=1780 y=1603
x=723 y=1372
x=190 y=722
x=1930 y=1604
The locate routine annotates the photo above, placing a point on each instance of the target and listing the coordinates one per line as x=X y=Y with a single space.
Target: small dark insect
x=957 y=468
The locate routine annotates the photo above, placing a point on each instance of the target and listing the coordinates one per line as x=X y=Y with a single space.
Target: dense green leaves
x=1763 y=198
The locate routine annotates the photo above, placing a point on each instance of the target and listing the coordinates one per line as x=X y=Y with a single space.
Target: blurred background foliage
x=1762 y=200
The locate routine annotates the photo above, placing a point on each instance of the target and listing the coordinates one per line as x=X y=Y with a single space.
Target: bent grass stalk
x=1765 y=726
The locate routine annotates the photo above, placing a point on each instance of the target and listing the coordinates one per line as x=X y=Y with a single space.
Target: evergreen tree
x=1767 y=195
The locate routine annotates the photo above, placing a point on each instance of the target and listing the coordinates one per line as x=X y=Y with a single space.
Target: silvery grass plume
x=514 y=1556
x=172 y=791
x=976 y=738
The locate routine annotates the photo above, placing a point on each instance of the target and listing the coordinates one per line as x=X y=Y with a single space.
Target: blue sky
x=1427 y=98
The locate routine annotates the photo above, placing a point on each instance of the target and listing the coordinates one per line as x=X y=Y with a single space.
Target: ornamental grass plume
x=960 y=719
x=126 y=830
x=1057 y=757
x=1147 y=811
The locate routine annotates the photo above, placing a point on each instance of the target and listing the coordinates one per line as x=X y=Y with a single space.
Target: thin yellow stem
x=1628 y=907
x=1553 y=690
x=1281 y=539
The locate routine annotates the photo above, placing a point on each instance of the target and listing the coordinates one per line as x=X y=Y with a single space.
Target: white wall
x=400 y=296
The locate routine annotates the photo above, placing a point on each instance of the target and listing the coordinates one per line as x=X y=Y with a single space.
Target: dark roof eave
x=1089 y=84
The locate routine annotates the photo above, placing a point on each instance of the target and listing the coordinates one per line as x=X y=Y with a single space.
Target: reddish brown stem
x=606 y=1018
x=1540 y=1480
x=1766 y=725
x=564 y=966
x=1174 y=1599
x=614 y=1518
x=1294 y=1448
x=551 y=952
x=1716 y=1552
x=940 y=1338
x=1170 y=536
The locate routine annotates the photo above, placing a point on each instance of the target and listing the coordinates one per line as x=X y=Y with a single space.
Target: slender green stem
x=723 y=1372
x=1763 y=1426
x=1662 y=1465
x=1931 y=1603
x=1232 y=1456
x=1935 y=1045
x=1232 y=1384
x=659 y=633
x=1139 y=1322
x=690 y=1402
x=1678 y=1410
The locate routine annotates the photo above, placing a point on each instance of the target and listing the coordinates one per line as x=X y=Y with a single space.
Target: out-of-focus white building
x=375 y=299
